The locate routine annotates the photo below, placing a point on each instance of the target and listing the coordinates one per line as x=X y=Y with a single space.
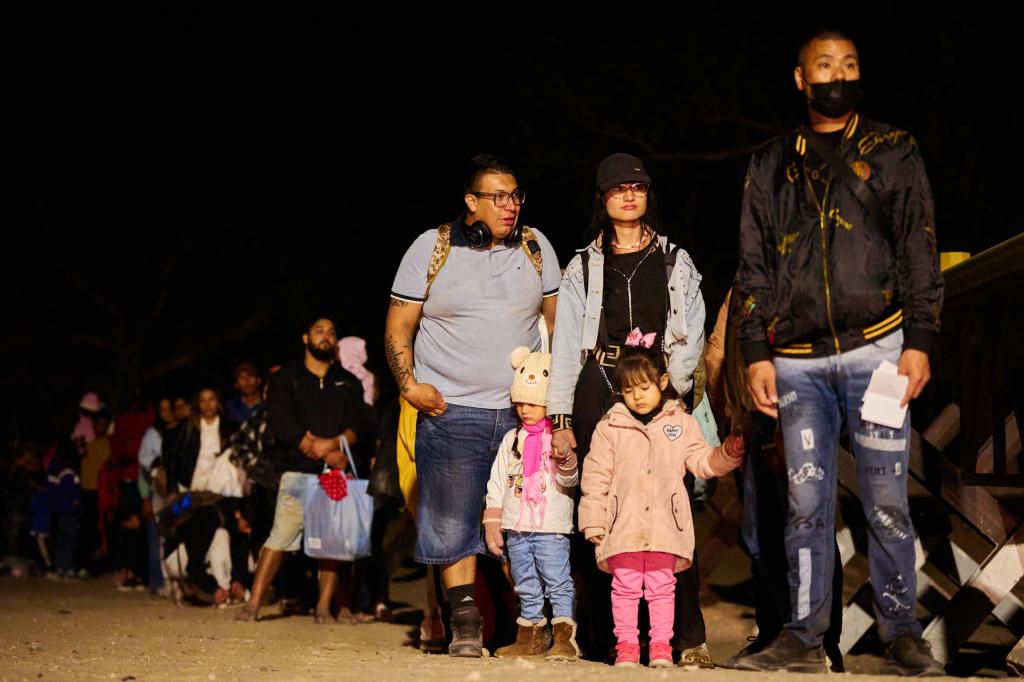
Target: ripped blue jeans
x=816 y=396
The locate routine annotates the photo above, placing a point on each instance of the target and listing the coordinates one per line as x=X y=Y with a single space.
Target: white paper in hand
x=882 y=399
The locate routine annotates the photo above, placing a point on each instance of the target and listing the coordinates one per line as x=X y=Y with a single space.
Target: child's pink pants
x=649 y=574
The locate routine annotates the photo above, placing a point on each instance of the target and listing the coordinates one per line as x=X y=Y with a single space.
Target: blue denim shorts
x=454 y=453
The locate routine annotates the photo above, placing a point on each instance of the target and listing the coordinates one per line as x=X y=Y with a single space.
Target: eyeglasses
x=639 y=189
x=518 y=197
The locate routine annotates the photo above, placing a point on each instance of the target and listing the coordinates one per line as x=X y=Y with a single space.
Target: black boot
x=787 y=653
x=467 y=633
x=911 y=656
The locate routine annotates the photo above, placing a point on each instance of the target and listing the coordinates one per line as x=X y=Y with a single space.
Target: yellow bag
x=407 y=455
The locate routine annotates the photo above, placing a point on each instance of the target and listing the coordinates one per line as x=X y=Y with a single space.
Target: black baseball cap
x=619 y=168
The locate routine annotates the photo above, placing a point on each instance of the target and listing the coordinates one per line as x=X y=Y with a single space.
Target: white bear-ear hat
x=530 y=382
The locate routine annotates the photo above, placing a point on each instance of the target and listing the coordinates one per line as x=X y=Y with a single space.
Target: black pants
x=259 y=510
x=594 y=612
x=89 y=534
x=769 y=567
x=197 y=534
x=378 y=575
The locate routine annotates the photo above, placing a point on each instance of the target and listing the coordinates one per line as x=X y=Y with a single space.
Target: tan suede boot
x=530 y=641
x=564 y=647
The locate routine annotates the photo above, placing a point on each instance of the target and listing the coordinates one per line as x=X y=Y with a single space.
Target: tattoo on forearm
x=398 y=303
x=402 y=371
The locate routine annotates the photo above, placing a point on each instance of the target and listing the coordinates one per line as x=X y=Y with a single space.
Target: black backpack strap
x=860 y=189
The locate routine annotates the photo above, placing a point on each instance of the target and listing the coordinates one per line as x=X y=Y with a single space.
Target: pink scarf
x=536 y=463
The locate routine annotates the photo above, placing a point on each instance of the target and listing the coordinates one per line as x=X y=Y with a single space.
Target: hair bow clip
x=639 y=339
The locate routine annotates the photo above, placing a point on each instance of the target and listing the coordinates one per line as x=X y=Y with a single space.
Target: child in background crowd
x=64 y=492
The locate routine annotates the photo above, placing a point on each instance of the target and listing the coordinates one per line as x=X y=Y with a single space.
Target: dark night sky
x=184 y=196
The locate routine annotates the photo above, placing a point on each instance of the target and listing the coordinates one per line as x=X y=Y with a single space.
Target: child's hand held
x=735 y=445
x=494 y=539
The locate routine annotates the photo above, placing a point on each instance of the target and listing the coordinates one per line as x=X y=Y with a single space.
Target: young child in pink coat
x=635 y=508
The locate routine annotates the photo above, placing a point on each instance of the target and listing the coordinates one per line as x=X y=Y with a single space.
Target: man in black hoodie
x=311 y=406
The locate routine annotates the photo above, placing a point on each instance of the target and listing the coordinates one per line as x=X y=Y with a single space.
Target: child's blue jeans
x=540 y=568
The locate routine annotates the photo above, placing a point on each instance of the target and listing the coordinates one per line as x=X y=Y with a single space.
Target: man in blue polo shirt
x=468 y=305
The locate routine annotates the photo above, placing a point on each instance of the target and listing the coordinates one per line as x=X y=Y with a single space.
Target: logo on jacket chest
x=673 y=431
x=862 y=169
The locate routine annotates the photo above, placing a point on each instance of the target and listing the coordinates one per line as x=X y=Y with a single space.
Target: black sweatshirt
x=299 y=401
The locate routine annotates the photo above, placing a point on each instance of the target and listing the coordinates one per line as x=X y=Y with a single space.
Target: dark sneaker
x=787 y=653
x=756 y=646
x=467 y=633
x=911 y=656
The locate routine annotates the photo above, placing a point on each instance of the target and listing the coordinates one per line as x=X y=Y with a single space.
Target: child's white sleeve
x=499 y=471
x=567 y=478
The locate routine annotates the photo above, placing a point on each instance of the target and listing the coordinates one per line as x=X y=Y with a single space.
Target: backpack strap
x=865 y=195
x=531 y=247
x=442 y=247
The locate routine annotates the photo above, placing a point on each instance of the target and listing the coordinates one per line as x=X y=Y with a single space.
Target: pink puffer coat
x=633 y=490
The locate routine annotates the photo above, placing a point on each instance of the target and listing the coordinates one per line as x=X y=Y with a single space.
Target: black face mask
x=836 y=98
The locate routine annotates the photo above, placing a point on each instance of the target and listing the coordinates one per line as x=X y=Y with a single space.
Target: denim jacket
x=579 y=311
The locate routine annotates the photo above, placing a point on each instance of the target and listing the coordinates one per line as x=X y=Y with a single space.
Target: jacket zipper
x=822 y=219
x=824 y=265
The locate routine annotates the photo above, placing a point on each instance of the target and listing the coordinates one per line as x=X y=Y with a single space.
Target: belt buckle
x=611 y=353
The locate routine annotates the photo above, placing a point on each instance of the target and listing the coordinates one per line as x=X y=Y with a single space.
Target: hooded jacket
x=633 y=491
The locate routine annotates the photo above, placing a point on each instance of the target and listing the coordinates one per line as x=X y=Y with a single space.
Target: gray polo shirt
x=483 y=304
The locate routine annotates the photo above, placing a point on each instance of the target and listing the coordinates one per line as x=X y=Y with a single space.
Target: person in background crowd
x=190 y=448
x=152 y=502
x=92 y=544
x=249 y=384
x=84 y=431
x=25 y=480
x=352 y=356
x=64 y=492
x=762 y=487
x=311 y=404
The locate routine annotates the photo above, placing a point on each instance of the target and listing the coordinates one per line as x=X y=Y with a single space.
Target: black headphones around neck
x=479 y=235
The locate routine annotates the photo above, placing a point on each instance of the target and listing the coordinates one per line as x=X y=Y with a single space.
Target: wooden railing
x=982 y=352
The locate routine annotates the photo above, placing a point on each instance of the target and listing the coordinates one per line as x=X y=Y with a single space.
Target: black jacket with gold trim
x=819 y=278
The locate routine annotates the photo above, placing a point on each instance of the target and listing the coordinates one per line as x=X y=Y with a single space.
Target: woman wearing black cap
x=628 y=278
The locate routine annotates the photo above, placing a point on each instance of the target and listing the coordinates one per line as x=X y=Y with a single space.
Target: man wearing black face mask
x=839 y=273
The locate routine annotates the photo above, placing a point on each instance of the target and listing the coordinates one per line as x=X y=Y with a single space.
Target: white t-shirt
x=209 y=448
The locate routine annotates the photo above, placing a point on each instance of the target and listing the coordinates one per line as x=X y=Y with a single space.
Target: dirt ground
x=89 y=631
